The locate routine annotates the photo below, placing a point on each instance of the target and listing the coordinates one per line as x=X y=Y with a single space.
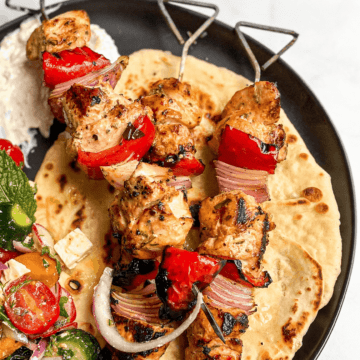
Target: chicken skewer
x=229 y=226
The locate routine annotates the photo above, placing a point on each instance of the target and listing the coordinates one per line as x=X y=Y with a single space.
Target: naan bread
x=304 y=254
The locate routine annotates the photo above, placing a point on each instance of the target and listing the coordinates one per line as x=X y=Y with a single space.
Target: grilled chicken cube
x=254 y=111
x=139 y=331
x=173 y=102
x=216 y=349
x=83 y=105
x=98 y=116
x=232 y=321
x=64 y=32
x=234 y=227
x=150 y=215
x=171 y=141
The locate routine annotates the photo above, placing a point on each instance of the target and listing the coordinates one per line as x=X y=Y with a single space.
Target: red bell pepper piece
x=133 y=149
x=232 y=270
x=178 y=271
x=188 y=167
x=245 y=151
x=71 y=64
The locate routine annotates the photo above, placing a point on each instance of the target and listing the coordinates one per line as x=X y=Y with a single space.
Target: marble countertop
x=327 y=57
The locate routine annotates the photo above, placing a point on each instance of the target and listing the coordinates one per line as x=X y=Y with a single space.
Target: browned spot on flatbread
x=321 y=174
x=294 y=309
x=290 y=329
x=59 y=208
x=109 y=248
x=308 y=289
x=291 y=139
x=205 y=101
x=322 y=208
x=49 y=166
x=313 y=194
x=38 y=197
x=286 y=128
x=303 y=156
x=297 y=202
x=80 y=218
x=141 y=92
x=74 y=166
x=46 y=175
x=62 y=180
x=297 y=217
x=111 y=189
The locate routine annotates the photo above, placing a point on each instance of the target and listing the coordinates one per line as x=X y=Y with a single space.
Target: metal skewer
x=194 y=36
x=32 y=11
x=249 y=52
x=209 y=316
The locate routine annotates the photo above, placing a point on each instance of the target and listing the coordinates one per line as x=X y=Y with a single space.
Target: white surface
x=326 y=56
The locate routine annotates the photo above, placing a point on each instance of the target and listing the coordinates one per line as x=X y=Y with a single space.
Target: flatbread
x=304 y=250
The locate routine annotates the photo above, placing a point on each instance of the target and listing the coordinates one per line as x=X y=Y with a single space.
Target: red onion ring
x=103 y=318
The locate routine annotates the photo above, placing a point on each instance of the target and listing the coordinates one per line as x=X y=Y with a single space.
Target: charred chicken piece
x=64 y=32
x=99 y=117
x=173 y=102
x=249 y=120
x=234 y=227
x=232 y=321
x=178 y=271
x=215 y=350
x=139 y=331
x=150 y=215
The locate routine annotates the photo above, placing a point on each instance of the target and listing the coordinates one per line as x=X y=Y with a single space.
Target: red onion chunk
x=251 y=182
x=109 y=74
x=104 y=320
x=225 y=293
x=39 y=351
x=180 y=182
x=3 y=266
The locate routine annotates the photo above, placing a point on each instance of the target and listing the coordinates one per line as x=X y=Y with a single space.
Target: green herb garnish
x=46 y=251
x=17 y=203
x=63 y=301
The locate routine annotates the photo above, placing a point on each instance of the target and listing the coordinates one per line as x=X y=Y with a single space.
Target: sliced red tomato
x=133 y=149
x=6 y=255
x=13 y=151
x=31 y=306
x=242 y=150
x=71 y=64
x=68 y=305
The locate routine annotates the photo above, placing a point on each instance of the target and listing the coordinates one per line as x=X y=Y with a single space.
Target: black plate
x=138 y=24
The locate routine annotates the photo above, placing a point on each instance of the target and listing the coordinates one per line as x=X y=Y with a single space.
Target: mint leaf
x=17 y=203
x=63 y=301
x=15 y=187
x=46 y=251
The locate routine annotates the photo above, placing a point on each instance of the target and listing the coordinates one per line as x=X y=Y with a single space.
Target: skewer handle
x=249 y=52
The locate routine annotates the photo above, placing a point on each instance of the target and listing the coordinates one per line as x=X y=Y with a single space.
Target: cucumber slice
x=73 y=344
x=14 y=225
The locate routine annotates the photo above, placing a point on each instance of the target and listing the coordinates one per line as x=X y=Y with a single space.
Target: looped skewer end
x=30 y=10
x=249 y=52
x=194 y=36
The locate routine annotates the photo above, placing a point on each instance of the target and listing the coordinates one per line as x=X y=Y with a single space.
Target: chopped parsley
x=46 y=251
x=63 y=301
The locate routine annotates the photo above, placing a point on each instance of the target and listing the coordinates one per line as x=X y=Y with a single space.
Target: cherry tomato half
x=32 y=308
x=13 y=151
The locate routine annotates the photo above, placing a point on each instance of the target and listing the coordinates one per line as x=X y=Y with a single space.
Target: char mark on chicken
x=234 y=227
x=64 y=32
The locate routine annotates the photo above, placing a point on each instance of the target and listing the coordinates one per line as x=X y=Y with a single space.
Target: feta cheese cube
x=14 y=271
x=74 y=247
